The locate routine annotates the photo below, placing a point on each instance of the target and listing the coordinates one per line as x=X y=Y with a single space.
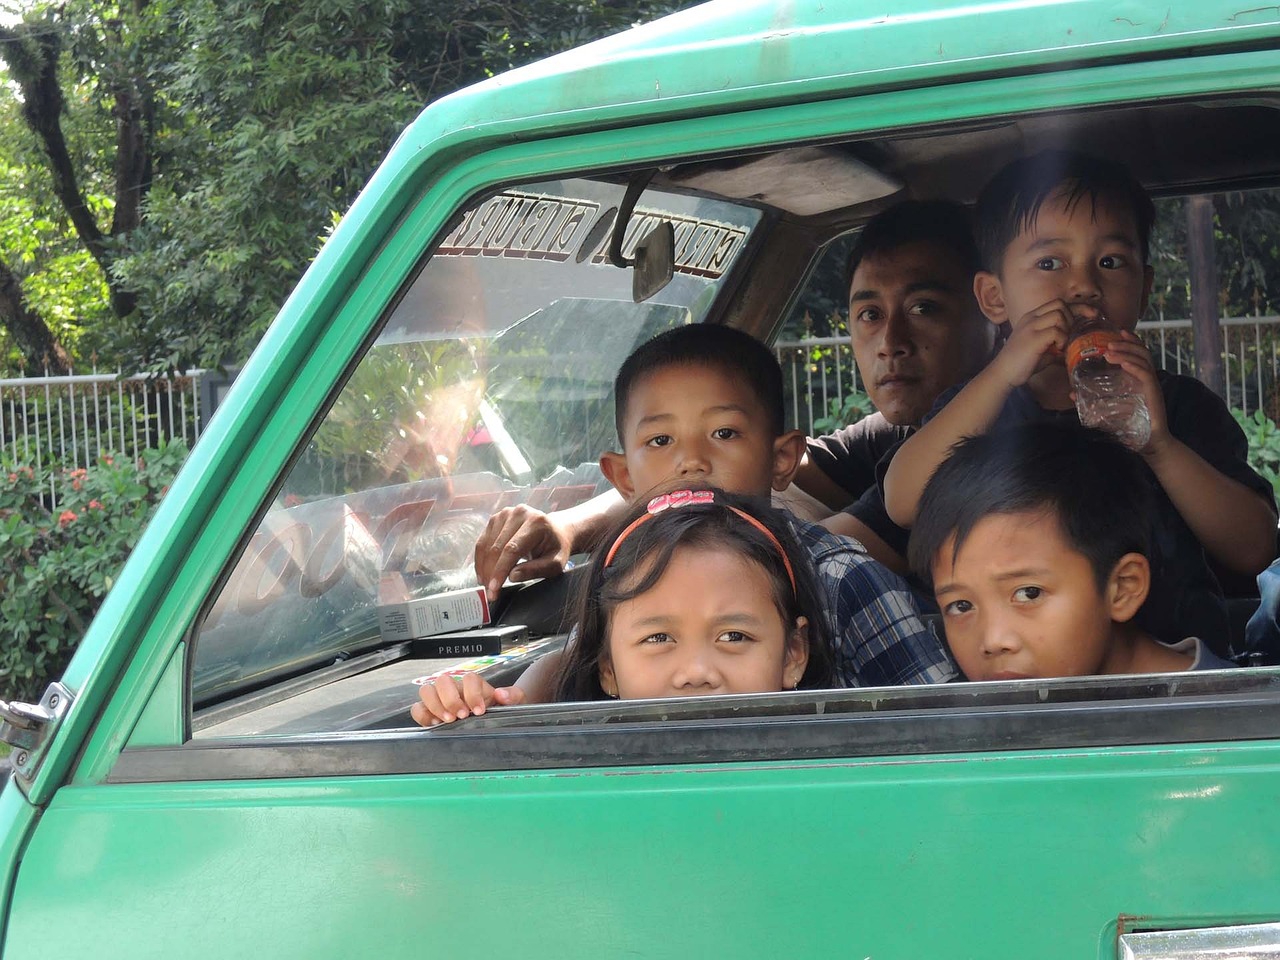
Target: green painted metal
x=17 y=817
x=161 y=723
x=729 y=54
x=321 y=328
x=915 y=857
x=1012 y=855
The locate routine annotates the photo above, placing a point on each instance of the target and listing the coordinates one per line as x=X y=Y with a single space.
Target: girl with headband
x=700 y=593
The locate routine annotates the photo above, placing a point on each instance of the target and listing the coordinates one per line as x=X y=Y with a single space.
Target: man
x=916 y=331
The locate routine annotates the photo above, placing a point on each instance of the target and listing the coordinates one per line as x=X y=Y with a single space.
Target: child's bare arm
x=538 y=683
x=1236 y=525
x=524 y=543
x=849 y=526
x=974 y=409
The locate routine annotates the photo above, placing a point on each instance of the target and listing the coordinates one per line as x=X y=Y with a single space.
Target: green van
x=228 y=767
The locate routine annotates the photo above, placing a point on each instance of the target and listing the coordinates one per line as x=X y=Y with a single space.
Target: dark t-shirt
x=1186 y=599
x=849 y=457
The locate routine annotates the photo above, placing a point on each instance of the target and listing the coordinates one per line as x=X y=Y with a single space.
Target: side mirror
x=655 y=262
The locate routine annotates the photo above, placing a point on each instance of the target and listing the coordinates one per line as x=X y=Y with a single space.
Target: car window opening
x=490 y=387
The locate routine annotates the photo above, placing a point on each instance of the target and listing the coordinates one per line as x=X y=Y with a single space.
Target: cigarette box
x=438 y=613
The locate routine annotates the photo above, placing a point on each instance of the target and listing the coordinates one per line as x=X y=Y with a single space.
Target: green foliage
x=842 y=413
x=56 y=565
x=1247 y=250
x=822 y=309
x=404 y=405
x=59 y=278
x=1264 y=445
x=289 y=109
x=265 y=120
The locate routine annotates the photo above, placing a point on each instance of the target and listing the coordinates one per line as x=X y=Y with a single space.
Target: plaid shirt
x=875 y=624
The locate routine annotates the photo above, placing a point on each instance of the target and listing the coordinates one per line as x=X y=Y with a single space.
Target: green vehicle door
x=236 y=772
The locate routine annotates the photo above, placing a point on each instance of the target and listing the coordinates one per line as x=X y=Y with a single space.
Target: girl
x=700 y=592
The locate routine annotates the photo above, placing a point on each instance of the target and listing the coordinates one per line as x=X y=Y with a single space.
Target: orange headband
x=683 y=498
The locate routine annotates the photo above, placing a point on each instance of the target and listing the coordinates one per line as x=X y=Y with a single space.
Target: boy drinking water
x=1035 y=541
x=1065 y=237
x=702 y=405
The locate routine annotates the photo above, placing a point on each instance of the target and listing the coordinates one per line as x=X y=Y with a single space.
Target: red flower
x=94 y=505
x=13 y=477
x=75 y=484
x=65 y=517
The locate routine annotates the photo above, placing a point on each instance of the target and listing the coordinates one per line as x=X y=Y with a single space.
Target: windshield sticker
x=520 y=226
x=527 y=226
x=703 y=248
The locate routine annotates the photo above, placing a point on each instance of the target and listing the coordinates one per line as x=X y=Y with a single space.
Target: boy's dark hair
x=1097 y=488
x=1010 y=202
x=650 y=546
x=943 y=222
x=736 y=353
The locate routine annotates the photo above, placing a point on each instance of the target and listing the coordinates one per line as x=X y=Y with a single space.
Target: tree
x=242 y=131
x=96 y=50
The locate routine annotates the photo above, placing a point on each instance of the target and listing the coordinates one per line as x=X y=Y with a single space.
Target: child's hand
x=446 y=699
x=1131 y=355
x=1037 y=337
x=517 y=534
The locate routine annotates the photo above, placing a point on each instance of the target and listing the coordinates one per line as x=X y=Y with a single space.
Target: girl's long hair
x=651 y=545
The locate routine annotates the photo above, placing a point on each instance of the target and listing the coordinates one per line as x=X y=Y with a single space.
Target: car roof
x=753 y=52
x=731 y=55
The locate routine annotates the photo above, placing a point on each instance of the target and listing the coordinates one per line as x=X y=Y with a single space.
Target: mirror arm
x=635 y=186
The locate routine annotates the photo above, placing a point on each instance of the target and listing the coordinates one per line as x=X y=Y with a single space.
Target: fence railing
x=77 y=419
x=821 y=369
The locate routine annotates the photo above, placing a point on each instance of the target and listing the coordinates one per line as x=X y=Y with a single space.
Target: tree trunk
x=29 y=331
x=1203 y=267
x=32 y=56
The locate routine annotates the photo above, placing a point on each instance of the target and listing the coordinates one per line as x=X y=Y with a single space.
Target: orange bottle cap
x=1087 y=345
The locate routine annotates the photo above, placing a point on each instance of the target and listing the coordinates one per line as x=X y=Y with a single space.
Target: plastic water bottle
x=1107 y=397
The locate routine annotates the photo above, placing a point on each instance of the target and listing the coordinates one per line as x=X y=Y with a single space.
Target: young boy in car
x=915 y=329
x=1064 y=235
x=703 y=403
x=1035 y=539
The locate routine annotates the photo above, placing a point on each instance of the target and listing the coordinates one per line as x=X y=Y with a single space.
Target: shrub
x=56 y=564
x=842 y=413
x=1264 y=445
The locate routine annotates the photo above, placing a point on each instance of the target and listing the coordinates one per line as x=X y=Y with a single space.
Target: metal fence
x=821 y=370
x=73 y=421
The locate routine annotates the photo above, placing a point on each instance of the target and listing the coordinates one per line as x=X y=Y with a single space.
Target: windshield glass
x=489 y=385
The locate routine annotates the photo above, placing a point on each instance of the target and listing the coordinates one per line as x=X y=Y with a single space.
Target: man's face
x=916 y=328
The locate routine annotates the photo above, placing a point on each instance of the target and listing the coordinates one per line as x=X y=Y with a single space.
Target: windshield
x=489 y=385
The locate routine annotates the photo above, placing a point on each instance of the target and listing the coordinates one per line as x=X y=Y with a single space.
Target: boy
x=915 y=329
x=1035 y=540
x=704 y=403
x=1065 y=235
